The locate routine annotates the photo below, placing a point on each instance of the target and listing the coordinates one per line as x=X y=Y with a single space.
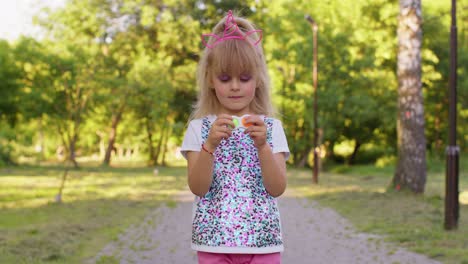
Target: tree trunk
x=330 y=153
x=41 y=141
x=72 y=148
x=304 y=157
x=160 y=141
x=149 y=134
x=113 y=135
x=411 y=165
x=352 y=159
x=69 y=142
x=102 y=144
x=164 y=150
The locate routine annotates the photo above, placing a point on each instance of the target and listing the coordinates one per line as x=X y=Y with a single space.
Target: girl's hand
x=220 y=129
x=257 y=131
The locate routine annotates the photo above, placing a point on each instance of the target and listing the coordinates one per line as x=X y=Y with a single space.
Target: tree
x=356 y=73
x=74 y=30
x=121 y=73
x=411 y=164
x=40 y=70
x=9 y=83
x=9 y=90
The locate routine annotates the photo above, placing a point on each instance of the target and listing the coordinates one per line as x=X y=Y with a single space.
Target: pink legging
x=219 y=258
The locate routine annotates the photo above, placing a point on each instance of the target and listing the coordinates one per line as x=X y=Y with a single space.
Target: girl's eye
x=224 y=77
x=245 y=77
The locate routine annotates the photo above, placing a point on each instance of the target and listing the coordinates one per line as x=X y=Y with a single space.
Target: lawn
x=99 y=203
x=360 y=194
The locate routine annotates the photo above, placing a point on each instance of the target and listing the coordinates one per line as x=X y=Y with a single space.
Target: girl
x=236 y=171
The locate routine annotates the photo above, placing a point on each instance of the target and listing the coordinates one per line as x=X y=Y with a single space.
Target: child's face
x=235 y=93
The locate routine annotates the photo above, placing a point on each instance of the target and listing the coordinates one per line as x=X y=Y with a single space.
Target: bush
x=5 y=154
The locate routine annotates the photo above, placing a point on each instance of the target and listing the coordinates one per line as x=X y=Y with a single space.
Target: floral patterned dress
x=237 y=213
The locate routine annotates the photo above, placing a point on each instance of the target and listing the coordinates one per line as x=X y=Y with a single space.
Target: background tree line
x=119 y=77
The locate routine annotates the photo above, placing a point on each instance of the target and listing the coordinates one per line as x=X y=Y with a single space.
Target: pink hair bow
x=231 y=31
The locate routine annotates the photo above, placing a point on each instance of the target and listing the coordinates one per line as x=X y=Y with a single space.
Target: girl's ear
x=210 y=82
x=211 y=85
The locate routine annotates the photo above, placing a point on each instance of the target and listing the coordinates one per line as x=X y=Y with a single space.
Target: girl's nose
x=235 y=84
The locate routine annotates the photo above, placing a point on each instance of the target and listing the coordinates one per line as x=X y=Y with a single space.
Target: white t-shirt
x=193 y=137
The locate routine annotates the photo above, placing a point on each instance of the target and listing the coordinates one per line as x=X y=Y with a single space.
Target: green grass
x=360 y=194
x=98 y=204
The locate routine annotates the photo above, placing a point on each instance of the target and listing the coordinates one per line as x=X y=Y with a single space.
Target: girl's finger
x=257 y=134
x=226 y=135
x=228 y=131
x=224 y=118
x=224 y=129
x=225 y=122
x=252 y=129
x=255 y=120
x=221 y=135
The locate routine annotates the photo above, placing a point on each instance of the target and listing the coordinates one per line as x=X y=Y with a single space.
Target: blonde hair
x=233 y=57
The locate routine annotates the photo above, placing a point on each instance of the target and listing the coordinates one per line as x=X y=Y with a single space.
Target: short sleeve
x=192 y=139
x=280 y=144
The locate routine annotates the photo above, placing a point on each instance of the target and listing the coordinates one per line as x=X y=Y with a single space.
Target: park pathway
x=312 y=234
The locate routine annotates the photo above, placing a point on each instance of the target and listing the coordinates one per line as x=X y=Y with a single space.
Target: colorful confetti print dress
x=237 y=215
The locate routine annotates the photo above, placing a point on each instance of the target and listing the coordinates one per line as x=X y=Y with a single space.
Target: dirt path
x=312 y=234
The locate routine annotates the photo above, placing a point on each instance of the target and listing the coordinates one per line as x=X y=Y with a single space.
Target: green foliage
x=9 y=83
x=356 y=84
x=10 y=90
x=130 y=66
x=6 y=148
x=436 y=59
